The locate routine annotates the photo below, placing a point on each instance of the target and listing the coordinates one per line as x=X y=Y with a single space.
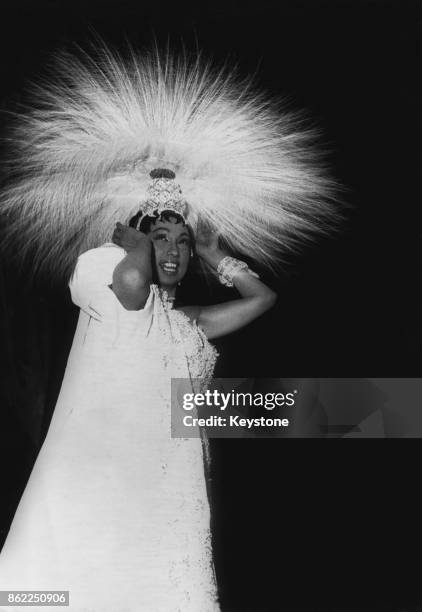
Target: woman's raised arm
x=133 y=275
x=222 y=319
x=256 y=298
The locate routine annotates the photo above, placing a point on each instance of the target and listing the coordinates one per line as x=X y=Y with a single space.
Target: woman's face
x=172 y=246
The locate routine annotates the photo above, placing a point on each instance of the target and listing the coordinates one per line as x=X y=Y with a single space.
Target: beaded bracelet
x=229 y=267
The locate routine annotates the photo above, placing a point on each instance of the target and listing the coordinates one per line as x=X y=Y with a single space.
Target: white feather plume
x=83 y=154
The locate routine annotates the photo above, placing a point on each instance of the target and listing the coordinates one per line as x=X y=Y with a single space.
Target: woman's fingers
x=116 y=238
x=117 y=233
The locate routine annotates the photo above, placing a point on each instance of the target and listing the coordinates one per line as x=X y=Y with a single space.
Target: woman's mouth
x=169 y=267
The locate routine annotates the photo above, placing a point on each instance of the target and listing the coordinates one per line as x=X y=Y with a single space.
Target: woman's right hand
x=128 y=237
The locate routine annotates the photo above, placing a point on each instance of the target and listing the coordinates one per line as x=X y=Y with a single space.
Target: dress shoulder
x=90 y=288
x=93 y=274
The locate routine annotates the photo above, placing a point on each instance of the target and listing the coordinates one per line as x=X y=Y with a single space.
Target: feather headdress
x=83 y=155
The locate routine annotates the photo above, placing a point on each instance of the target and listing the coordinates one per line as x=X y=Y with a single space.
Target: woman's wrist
x=213 y=258
x=230 y=267
x=141 y=249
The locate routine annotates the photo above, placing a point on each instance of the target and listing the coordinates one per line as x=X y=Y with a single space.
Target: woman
x=116 y=510
x=113 y=499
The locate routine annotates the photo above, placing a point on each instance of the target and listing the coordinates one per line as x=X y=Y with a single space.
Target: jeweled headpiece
x=163 y=193
x=82 y=158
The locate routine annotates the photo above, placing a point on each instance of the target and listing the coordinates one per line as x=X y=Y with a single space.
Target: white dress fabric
x=115 y=510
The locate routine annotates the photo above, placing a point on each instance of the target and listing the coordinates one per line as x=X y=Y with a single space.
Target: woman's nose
x=173 y=250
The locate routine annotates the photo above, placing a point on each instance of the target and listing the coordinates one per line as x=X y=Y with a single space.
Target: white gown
x=115 y=510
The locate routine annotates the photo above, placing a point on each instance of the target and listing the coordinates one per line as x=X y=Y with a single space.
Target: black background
x=323 y=525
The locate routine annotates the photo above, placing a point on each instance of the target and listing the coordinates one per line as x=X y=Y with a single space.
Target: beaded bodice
x=182 y=334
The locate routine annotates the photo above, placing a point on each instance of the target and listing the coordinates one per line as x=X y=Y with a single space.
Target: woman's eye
x=161 y=237
x=185 y=241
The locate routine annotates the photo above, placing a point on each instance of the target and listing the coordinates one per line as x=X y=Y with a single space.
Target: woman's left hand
x=207 y=246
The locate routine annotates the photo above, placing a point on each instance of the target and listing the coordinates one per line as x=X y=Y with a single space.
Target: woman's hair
x=148 y=221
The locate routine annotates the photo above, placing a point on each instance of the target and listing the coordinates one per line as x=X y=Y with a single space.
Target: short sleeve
x=92 y=277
